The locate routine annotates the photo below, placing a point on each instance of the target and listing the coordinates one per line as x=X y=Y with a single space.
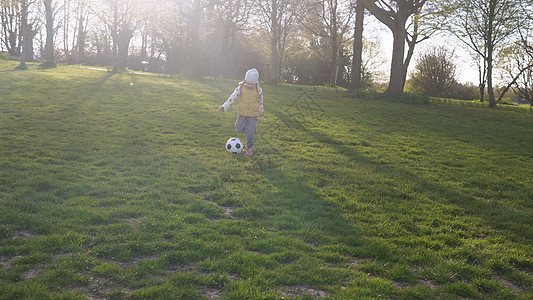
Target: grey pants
x=247 y=125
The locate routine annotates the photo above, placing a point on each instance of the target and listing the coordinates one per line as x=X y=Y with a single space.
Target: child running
x=250 y=97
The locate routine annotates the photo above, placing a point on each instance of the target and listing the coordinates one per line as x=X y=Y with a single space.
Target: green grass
x=120 y=191
x=478 y=103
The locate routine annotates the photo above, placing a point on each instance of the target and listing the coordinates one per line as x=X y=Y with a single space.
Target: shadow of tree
x=513 y=220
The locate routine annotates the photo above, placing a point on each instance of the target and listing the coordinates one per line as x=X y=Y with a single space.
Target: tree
x=228 y=19
x=194 y=12
x=32 y=27
x=304 y=63
x=81 y=24
x=330 y=22
x=168 y=32
x=372 y=64
x=121 y=20
x=101 y=41
x=10 y=17
x=484 y=25
x=395 y=14
x=279 y=18
x=423 y=26
x=26 y=34
x=74 y=23
x=435 y=73
x=49 y=46
x=522 y=83
x=518 y=64
x=357 y=59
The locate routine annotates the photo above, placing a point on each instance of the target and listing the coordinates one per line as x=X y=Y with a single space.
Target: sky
x=466 y=71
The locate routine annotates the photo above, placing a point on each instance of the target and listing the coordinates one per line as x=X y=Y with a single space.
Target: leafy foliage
x=435 y=73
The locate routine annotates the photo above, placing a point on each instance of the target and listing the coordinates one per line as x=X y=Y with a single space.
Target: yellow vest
x=249 y=102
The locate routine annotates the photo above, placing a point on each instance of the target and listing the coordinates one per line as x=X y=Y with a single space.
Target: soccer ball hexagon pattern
x=234 y=146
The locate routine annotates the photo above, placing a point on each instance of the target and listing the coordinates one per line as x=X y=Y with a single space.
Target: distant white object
x=234 y=146
x=131 y=83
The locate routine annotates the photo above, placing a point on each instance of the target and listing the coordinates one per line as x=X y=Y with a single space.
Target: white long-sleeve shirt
x=235 y=96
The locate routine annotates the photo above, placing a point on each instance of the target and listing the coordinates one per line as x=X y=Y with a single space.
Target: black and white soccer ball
x=234 y=146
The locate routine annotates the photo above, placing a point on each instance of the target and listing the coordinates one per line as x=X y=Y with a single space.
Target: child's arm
x=260 y=102
x=230 y=100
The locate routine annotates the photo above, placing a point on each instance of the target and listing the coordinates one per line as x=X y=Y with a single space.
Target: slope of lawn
x=119 y=187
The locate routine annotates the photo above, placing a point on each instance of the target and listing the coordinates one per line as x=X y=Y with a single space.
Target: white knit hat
x=252 y=76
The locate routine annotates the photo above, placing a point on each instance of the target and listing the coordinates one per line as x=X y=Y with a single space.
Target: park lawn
x=118 y=186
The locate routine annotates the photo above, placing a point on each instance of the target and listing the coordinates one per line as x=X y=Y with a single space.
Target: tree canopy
x=307 y=42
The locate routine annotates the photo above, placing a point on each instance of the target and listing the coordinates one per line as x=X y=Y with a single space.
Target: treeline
x=304 y=42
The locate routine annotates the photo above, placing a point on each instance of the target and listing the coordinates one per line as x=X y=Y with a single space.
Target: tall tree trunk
x=12 y=47
x=334 y=68
x=357 y=59
x=396 y=19
x=66 y=30
x=124 y=38
x=411 y=47
x=28 y=55
x=397 y=63
x=144 y=45
x=334 y=28
x=25 y=33
x=482 y=80
x=49 y=46
x=81 y=41
x=115 y=37
x=274 y=68
x=490 y=90
x=195 y=39
x=408 y=58
x=482 y=92
x=490 y=52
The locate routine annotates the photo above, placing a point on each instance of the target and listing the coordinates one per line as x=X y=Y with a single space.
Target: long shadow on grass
x=515 y=221
x=512 y=219
x=491 y=130
x=306 y=215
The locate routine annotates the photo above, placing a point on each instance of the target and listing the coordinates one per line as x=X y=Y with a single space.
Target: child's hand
x=220 y=109
x=260 y=114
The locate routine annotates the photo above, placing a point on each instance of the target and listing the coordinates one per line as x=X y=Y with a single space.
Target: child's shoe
x=248 y=152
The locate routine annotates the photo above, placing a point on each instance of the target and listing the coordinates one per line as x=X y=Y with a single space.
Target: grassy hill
x=118 y=186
